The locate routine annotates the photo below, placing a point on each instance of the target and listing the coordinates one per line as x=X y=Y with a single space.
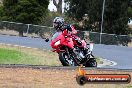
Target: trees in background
x=92 y=8
x=24 y=11
x=58 y=4
x=116 y=17
x=115 y=14
x=130 y=9
x=48 y=20
x=85 y=13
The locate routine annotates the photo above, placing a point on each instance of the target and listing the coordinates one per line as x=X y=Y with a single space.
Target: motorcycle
x=70 y=51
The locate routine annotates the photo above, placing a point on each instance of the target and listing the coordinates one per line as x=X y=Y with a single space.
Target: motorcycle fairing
x=67 y=41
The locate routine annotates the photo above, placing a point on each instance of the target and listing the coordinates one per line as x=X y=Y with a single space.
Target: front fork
x=72 y=57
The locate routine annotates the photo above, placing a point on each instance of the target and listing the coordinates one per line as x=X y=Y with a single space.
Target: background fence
x=29 y=30
x=44 y=32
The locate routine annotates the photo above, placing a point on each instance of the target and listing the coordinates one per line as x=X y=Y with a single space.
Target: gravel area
x=51 y=78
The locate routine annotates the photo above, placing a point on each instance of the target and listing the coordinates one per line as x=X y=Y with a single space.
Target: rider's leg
x=77 y=40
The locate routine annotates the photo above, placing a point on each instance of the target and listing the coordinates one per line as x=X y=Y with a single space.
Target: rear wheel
x=65 y=60
x=91 y=63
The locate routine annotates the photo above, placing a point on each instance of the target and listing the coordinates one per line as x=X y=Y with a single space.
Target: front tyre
x=63 y=57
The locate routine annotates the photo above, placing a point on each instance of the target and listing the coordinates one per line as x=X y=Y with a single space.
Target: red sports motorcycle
x=70 y=51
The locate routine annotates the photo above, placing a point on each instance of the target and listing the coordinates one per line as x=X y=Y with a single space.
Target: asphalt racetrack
x=119 y=54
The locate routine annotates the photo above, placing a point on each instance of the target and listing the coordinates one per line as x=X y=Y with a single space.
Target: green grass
x=98 y=59
x=130 y=86
x=13 y=56
x=7 y=56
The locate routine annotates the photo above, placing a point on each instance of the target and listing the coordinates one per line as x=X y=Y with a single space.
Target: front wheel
x=65 y=60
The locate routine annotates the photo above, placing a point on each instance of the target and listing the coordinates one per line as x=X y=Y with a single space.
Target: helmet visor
x=55 y=25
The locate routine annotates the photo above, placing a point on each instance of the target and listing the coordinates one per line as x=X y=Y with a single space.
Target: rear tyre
x=91 y=63
x=63 y=57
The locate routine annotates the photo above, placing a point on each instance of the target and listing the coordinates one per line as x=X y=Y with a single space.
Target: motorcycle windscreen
x=56 y=35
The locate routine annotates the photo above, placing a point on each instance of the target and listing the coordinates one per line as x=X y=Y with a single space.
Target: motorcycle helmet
x=58 y=22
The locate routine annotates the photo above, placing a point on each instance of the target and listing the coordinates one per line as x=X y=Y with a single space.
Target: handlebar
x=46 y=39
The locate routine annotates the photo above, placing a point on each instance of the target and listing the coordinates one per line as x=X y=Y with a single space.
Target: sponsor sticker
x=83 y=78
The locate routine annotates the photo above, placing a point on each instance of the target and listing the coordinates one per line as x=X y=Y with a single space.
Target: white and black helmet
x=58 y=22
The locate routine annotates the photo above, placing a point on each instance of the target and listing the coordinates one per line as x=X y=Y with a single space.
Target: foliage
x=1 y=12
x=25 y=11
x=115 y=14
x=73 y=21
x=130 y=9
x=130 y=12
x=78 y=9
x=48 y=19
x=116 y=17
x=58 y=5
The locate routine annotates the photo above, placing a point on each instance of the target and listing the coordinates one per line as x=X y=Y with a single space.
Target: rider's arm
x=68 y=27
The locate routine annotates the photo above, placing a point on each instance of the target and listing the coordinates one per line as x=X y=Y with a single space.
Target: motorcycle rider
x=59 y=25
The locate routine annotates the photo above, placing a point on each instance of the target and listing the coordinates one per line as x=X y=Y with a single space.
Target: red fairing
x=58 y=36
x=60 y=39
x=65 y=38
